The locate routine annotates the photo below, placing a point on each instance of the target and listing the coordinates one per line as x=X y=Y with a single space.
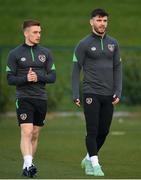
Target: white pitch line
x=117 y=133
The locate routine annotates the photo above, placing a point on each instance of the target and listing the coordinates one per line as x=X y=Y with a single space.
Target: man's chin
x=100 y=32
x=37 y=42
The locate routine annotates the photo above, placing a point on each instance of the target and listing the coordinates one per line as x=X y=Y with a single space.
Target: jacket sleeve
x=117 y=72
x=50 y=76
x=11 y=70
x=78 y=61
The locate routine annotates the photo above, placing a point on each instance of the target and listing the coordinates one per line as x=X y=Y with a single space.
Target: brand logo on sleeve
x=89 y=100
x=42 y=57
x=111 y=47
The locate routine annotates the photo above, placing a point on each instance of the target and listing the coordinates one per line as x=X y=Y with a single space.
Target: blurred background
x=61 y=145
x=64 y=23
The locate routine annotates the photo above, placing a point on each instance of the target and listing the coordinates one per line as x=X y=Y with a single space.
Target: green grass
x=61 y=148
x=64 y=23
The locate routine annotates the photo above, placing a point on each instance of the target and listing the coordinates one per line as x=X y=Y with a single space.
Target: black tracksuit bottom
x=98 y=111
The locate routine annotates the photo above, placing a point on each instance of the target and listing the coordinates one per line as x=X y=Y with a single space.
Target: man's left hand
x=115 y=99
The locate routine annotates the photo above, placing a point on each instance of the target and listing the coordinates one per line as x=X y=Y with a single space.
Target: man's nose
x=103 y=22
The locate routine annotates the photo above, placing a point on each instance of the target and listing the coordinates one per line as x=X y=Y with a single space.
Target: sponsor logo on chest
x=93 y=48
x=23 y=59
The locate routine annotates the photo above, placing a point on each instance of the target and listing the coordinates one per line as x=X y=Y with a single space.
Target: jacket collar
x=98 y=36
x=26 y=45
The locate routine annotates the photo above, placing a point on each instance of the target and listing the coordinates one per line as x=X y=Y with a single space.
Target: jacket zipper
x=32 y=54
x=101 y=40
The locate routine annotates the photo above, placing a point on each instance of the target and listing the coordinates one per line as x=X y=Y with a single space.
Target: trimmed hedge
x=132 y=79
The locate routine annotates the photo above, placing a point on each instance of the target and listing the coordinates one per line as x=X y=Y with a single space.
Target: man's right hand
x=31 y=76
x=77 y=102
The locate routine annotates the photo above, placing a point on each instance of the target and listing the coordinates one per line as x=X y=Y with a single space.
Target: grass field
x=61 y=148
x=64 y=23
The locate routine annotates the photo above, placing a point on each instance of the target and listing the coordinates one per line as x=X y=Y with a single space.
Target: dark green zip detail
x=32 y=54
x=101 y=40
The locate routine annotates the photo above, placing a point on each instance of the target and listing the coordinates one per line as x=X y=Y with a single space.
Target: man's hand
x=31 y=76
x=115 y=99
x=77 y=102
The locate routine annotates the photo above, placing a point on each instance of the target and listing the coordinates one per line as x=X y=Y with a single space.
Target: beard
x=98 y=31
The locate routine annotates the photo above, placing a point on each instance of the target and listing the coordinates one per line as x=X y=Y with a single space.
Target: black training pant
x=98 y=111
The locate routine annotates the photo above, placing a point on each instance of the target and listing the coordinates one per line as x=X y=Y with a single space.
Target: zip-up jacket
x=40 y=60
x=100 y=59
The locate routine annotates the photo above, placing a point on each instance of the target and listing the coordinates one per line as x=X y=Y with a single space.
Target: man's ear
x=91 y=22
x=25 y=33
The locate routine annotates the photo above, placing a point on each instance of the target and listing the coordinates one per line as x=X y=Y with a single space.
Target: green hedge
x=132 y=78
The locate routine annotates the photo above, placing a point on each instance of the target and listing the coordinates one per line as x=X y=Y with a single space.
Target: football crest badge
x=23 y=116
x=42 y=57
x=111 y=47
x=89 y=100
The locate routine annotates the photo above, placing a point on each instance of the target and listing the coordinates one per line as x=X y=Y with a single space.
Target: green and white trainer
x=97 y=171
x=87 y=165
